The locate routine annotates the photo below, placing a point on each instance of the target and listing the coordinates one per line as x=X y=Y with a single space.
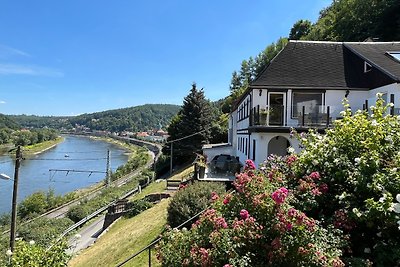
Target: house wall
x=334 y=99
x=388 y=89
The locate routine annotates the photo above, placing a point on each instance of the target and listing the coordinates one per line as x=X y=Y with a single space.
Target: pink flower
x=316 y=192
x=221 y=223
x=323 y=188
x=228 y=265
x=244 y=214
x=292 y=212
x=279 y=195
x=249 y=165
x=227 y=199
x=291 y=159
x=315 y=176
x=214 y=196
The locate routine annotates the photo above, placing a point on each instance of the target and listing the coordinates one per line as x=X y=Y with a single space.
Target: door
x=276 y=108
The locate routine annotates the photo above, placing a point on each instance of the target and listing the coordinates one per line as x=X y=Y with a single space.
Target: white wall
x=393 y=88
x=211 y=152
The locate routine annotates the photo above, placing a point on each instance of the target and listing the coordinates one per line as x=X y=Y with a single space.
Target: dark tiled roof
x=375 y=53
x=319 y=65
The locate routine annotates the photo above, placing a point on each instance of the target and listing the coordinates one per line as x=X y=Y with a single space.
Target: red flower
x=227 y=199
x=214 y=196
x=249 y=165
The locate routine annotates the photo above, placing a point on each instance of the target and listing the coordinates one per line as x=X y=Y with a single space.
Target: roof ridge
x=314 y=42
x=331 y=42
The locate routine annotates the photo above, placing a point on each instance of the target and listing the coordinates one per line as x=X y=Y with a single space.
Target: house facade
x=303 y=87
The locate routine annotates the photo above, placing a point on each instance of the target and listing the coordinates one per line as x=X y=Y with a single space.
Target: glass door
x=276 y=108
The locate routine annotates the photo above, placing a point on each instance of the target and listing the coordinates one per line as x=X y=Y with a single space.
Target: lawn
x=124 y=238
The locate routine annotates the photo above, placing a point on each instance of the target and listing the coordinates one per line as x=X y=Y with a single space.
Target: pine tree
x=193 y=118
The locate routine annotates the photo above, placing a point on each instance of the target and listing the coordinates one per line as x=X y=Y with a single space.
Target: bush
x=136 y=207
x=78 y=212
x=189 y=201
x=254 y=227
x=44 y=230
x=32 y=254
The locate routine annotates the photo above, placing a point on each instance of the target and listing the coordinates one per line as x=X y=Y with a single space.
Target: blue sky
x=74 y=57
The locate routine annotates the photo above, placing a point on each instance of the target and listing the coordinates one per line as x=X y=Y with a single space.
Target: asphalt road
x=88 y=235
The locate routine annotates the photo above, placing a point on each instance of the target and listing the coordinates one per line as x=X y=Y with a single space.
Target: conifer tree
x=195 y=119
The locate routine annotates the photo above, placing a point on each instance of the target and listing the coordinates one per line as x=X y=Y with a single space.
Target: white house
x=303 y=87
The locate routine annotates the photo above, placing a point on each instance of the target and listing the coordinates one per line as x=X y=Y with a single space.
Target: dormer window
x=367 y=67
x=394 y=54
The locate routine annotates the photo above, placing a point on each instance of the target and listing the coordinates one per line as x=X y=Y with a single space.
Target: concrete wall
x=212 y=151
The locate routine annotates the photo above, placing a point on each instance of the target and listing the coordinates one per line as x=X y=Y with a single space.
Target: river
x=75 y=153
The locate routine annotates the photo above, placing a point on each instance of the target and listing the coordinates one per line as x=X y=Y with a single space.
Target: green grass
x=155 y=187
x=41 y=147
x=124 y=238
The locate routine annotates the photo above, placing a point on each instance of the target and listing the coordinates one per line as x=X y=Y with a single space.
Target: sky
x=74 y=57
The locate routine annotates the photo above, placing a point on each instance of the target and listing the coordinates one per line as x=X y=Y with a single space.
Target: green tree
x=300 y=29
x=194 y=118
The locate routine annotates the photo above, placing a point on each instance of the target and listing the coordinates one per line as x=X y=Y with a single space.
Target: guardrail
x=99 y=211
x=155 y=241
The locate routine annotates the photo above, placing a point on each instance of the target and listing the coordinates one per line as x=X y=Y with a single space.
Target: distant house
x=303 y=87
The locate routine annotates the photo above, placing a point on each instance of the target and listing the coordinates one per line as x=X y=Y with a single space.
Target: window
x=394 y=54
x=254 y=149
x=367 y=67
x=310 y=101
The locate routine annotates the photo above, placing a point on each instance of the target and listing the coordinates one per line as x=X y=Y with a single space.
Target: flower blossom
x=279 y=195
x=214 y=196
x=244 y=214
x=315 y=176
x=249 y=165
x=227 y=199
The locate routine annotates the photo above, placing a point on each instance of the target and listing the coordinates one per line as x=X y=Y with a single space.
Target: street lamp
x=4 y=176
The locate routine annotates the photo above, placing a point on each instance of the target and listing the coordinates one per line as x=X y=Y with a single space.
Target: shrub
x=32 y=254
x=78 y=212
x=137 y=206
x=254 y=227
x=189 y=201
x=358 y=180
x=44 y=230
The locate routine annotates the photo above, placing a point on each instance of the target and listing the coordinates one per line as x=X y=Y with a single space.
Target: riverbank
x=32 y=149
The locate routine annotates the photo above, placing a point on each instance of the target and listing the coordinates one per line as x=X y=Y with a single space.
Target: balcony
x=313 y=116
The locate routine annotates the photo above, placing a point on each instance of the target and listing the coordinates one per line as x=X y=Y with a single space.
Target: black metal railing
x=298 y=116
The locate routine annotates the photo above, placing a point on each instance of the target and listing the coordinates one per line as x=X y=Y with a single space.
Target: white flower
x=357 y=212
x=374 y=123
x=357 y=160
x=383 y=198
x=290 y=150
x=315 y=162
x=398 y=197
x=367 y=250
x=77 y=236
x=379 y=234
x=334 y=148
x=32 y=242
x=9 y=253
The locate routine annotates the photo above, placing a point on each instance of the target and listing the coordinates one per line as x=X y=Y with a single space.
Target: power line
x=179 y=139
x=68 y=159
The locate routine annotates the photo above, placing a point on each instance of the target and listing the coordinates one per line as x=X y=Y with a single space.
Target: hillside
x=137 y=118
x=6 y=122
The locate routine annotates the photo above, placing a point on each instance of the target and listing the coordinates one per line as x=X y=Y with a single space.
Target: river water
x=75 y=153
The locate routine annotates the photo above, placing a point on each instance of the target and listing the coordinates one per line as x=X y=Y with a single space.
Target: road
x=88 y=235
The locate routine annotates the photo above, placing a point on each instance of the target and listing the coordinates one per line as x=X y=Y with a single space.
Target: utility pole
x=18 y=158
x=108 y=174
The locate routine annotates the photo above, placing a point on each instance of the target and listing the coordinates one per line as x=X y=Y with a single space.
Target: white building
x=303 y=87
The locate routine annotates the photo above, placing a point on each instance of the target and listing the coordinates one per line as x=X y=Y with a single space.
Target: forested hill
x=6 y=122
x=139 y=118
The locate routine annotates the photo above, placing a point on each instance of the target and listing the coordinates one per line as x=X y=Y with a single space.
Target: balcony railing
x=300 y=116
